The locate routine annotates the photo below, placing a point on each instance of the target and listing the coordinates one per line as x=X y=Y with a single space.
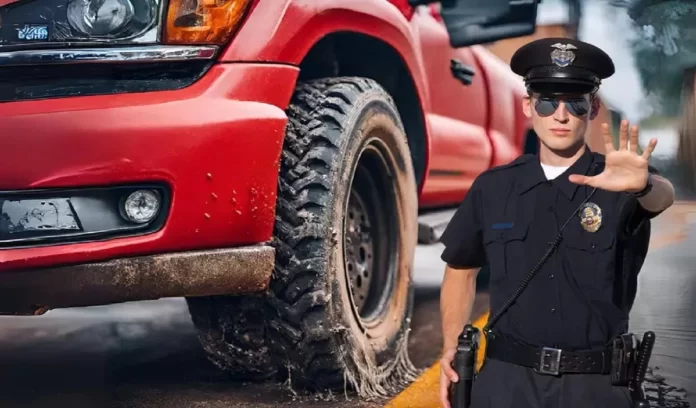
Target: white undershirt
x=552 y=172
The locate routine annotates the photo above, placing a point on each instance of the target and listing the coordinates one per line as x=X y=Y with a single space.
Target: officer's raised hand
x=625 y=170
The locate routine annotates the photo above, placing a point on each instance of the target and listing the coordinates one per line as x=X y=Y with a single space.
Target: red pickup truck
x=265 y=159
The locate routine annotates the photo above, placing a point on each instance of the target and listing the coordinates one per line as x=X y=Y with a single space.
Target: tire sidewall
x=374 y=118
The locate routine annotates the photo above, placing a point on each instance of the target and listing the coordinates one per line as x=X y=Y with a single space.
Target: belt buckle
x=550 y=361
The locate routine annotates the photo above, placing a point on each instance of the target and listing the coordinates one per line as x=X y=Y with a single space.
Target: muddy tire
x=232 y=331
x=340 y=301
x=345 y=234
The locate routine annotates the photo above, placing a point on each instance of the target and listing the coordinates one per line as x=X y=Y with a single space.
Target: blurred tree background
x=665 y=55
x=665 y=48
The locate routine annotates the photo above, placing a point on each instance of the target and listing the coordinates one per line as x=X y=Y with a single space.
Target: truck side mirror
x=471 y=22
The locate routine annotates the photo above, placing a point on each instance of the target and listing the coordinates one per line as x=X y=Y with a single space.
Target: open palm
x=625 y=169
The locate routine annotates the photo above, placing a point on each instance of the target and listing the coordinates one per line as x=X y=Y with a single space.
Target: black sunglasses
x=546 y=106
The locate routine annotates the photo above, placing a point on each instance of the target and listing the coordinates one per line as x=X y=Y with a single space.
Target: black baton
x=644 y=353
x=464 y=365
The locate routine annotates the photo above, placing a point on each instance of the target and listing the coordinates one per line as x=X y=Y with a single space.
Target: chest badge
x=590 y=217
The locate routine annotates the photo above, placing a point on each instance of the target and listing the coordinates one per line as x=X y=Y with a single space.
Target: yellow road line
x=424 y=391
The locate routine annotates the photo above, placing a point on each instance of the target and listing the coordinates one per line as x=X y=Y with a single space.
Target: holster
x=464 y=365
x=623 y=361
x=630 y=359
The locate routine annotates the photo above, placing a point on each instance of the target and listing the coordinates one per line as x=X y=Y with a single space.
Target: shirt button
x=551 y=276
x=593 y=246
x=553 y=310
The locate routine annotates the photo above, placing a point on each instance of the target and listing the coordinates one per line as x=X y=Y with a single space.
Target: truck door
x=460 y=149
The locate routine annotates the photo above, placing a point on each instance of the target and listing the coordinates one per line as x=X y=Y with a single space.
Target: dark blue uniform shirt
x=581 y=297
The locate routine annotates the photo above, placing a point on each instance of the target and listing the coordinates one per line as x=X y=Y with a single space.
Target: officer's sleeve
x=463 y=236
x=639 y=215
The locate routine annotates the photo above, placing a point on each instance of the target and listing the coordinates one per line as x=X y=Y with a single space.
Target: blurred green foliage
x=665 y=48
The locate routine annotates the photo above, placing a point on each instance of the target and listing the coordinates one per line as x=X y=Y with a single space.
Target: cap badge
x=590 y=217
x=562 y=55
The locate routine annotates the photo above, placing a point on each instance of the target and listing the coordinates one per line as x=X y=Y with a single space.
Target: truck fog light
x=142 y=206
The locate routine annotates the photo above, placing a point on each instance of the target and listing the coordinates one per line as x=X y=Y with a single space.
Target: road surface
x=666 y=300
x=146 y=354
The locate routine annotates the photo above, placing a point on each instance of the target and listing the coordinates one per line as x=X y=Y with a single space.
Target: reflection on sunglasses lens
x=577 y=108
x=546 y=106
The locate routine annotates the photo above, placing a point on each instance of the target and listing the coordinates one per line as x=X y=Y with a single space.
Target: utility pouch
x=623 y=360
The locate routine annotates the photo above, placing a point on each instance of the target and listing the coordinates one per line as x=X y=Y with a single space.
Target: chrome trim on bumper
x=121 y=54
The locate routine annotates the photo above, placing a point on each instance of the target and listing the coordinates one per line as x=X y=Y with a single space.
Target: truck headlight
x=111 y=18
x=120 y=22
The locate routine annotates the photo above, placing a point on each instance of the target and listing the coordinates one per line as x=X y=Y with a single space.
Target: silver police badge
x=590 y=217
x=562 y=55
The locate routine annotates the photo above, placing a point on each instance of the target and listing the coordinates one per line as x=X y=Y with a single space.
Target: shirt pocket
x=504 y=246
x=590 y=257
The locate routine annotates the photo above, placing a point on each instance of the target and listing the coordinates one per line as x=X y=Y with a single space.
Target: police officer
x=552 y=347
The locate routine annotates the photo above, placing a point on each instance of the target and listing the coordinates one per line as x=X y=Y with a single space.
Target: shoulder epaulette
x=523 y=159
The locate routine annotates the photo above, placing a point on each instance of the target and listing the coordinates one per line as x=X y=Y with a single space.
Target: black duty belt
x=546 y=360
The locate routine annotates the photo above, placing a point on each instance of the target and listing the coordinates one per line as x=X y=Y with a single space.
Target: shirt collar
x=533 y=175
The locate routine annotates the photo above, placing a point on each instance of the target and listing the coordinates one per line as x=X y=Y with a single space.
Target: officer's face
x=561 y=121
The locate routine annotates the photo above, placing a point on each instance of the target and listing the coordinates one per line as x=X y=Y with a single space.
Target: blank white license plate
x=39 y=215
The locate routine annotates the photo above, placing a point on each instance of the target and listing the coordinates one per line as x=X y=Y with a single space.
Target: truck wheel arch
x=332 y=57
x=288 y=32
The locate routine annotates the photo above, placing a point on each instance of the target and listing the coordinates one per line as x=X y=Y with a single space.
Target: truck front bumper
x=213 y=149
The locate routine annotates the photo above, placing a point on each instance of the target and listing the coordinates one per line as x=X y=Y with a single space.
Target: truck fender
x=507 y=125
x=285 y=31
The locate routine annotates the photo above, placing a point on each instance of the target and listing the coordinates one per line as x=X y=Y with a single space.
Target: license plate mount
x=38 y=215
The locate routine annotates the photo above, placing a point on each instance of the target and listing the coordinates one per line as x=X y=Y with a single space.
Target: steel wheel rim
x=370 y=236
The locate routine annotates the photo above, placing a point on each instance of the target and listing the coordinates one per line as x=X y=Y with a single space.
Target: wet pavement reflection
x=666 y=301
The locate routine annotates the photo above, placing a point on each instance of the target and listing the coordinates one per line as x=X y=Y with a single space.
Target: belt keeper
x=603 y=363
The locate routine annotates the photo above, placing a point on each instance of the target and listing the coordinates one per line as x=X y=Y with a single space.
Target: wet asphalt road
x=666 y=303
x=146 y=354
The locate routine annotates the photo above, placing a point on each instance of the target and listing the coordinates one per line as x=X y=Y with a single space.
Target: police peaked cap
x=561 y=65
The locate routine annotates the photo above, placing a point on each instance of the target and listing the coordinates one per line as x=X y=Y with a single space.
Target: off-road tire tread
x=298 y=322
x=231 y=330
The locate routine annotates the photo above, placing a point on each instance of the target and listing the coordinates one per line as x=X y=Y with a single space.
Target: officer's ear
x=595 y=104
x=527 y=106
